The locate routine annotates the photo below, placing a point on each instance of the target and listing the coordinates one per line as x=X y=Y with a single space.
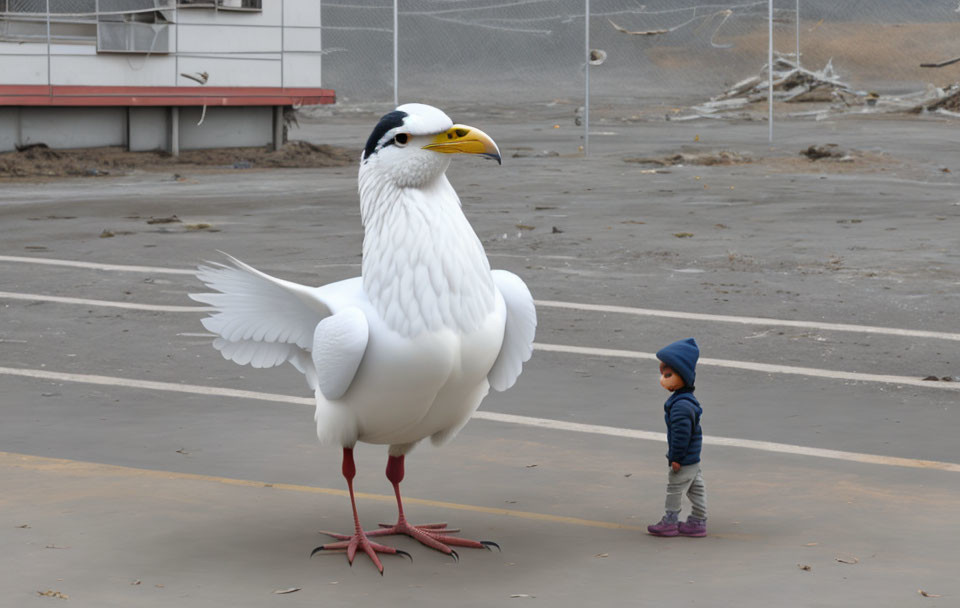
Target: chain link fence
x=650 y=58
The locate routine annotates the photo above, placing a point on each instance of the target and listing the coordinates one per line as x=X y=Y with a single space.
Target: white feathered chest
x=424 y=269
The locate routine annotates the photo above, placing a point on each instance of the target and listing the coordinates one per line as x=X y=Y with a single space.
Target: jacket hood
x=682 y=356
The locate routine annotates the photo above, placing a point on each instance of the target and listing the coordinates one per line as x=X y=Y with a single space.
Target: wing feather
x=519 y=331
x=338 y=347
x=260 y=320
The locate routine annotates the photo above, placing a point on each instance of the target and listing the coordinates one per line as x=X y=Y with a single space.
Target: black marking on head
x=389 y=121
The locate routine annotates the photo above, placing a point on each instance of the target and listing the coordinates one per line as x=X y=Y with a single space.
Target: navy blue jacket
x=682 y=413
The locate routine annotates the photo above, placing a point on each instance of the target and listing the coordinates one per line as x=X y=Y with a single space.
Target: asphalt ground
x=136 y=474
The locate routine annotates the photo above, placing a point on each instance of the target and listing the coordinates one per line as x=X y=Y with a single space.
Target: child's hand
x=675 y=467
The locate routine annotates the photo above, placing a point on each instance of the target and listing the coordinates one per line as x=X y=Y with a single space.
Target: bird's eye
x=401 y=139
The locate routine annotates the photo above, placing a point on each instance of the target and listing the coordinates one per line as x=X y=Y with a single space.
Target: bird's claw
x=489 y=543
x=404 y=554
x=336 y=535
x=455 y=555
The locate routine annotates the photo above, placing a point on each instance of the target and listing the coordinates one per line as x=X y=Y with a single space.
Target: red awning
x=60 y=95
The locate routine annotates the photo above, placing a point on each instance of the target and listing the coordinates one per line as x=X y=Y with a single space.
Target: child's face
x=670 y=379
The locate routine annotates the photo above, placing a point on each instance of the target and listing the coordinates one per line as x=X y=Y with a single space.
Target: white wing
x=518 y=334
x=338 y=346
x=261 y=320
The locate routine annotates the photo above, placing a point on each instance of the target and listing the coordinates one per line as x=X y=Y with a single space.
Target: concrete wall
x=226 y=127
x=9 y=128
x=140 y=129
x=149 y=129
x=73 y=127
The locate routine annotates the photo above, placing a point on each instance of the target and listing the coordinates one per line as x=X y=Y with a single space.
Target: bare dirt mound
x=40 y=161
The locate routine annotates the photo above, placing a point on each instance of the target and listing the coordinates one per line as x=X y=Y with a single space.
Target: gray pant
x=689 y=479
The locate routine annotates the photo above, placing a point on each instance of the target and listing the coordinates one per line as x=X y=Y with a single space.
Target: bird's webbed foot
x=350 y=543
x=436 y=536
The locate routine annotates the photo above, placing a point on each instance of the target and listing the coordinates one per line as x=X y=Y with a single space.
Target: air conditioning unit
x=240 y=5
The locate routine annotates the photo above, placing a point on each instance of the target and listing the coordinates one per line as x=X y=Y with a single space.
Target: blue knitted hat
x=682 y=356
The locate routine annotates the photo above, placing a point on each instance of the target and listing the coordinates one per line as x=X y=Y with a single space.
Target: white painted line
x=556 y=348
x=33 y=297
x=650 y=312
x=95 y=265
x=694 y=316
x=194 y=389
x=765 y=446
x=545 y=423
x=756 y=367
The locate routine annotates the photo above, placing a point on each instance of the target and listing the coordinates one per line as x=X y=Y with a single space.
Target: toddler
x=678 y=363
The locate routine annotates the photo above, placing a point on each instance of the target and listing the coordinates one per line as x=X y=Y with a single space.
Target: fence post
x=770 y=68
x=396 y=47
x=798 y=34
x=586 y=78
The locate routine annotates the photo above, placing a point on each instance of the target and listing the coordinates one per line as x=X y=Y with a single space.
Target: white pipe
x=586 y=79
x=174 y=131
x=396 y=62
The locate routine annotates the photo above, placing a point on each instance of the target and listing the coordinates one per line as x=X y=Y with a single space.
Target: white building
x=155 y=74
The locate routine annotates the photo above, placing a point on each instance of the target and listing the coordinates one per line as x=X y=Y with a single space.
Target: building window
x=26 y=21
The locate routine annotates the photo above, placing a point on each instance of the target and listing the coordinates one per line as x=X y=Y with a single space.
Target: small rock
x=173 y=219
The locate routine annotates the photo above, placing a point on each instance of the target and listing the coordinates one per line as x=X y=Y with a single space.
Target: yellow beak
x=461 y=139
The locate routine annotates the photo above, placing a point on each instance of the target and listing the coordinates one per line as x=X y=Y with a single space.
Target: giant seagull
x=410 y=348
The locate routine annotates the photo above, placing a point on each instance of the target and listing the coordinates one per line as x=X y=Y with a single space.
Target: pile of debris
x=944 y=101
x=791 y=83
x=824 y=89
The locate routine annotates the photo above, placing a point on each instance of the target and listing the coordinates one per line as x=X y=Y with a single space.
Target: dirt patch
x=717 y=157
x=825 y=151
x=831 y=159
x=40 y=161
x=823 y=158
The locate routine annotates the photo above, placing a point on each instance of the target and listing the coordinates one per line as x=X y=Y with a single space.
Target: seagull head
x=411 y=145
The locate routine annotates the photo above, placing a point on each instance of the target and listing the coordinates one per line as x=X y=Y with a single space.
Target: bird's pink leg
x=350 y=543
x=436 y=536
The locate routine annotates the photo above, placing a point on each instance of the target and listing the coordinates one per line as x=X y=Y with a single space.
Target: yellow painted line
x=79 y=468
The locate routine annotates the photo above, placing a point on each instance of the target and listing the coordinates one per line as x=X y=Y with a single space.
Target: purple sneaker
x=693 y=527
x=665 y=527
